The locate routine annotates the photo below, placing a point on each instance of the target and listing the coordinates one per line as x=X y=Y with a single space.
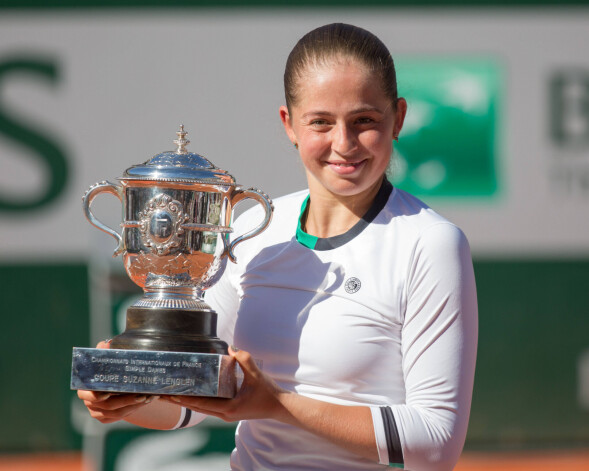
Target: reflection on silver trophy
x=177 y=213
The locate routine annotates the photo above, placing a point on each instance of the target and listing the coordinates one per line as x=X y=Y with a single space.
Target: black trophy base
x=170 y=330
x=154 y=372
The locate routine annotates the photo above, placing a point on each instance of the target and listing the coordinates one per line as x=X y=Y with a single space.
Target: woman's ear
x=287 y=123
x=400 y=113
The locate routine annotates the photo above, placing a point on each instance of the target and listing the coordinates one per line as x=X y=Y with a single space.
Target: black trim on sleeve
x=187 y=416
x=392 y=436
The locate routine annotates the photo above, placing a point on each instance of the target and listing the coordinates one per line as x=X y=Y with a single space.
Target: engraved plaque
x=154 y=372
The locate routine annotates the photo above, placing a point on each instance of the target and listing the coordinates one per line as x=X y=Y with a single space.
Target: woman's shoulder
x=414 y=218
x=291 y=201
x=412 y=210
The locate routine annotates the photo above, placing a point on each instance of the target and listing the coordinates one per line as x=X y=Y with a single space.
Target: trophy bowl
x=177 y=213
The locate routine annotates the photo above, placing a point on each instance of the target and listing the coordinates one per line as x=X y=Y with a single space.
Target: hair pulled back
x=338 y=40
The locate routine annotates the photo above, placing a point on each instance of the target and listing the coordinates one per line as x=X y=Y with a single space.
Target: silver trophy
x=177 y=213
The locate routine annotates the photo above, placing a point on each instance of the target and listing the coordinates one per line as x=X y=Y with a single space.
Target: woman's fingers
x=117 y=406
x=93 y=396
x=120 y=401
x=108 y=407
x=245 y=360
x=251 y=371
x=107 y=415
x=104 y=344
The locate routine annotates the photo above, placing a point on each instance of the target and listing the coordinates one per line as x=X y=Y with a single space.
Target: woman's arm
x=439 y=343
x=260 y=398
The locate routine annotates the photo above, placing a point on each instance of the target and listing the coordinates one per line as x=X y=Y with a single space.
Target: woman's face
x=343 y=124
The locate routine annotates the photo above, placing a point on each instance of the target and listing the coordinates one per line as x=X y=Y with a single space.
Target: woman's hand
x=111 y=407
x=108 y=408
x=258 y=397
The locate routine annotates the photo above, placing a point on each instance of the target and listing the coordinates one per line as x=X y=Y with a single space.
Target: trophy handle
x=93 y=191
x=240 y=195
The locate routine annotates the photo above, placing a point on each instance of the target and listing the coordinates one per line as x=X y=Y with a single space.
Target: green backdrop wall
x=45 y=312
x=533 y=328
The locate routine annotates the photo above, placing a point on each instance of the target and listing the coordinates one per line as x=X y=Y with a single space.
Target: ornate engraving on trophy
x=161 y=222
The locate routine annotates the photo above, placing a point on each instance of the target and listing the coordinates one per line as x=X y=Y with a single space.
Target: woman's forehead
x=327 y=74
x=342 y=88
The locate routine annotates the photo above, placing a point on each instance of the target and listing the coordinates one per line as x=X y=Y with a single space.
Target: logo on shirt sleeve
x=352 y=285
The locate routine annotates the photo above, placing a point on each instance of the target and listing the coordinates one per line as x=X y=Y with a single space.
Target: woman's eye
x=365 y=120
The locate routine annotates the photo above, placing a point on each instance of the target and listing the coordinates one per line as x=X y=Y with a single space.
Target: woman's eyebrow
x=363 y=109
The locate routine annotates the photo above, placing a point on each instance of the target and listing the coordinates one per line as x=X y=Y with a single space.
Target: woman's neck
x=329 y=215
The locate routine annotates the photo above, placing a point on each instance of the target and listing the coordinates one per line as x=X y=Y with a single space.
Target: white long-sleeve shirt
x=384 y=315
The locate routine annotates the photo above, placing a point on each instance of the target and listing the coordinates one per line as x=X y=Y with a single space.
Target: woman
x=359 y=299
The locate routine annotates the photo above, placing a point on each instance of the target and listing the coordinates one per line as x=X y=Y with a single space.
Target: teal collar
x=318 y=243
x=303 y=238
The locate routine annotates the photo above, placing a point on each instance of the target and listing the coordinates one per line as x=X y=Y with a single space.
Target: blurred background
x=496 y=139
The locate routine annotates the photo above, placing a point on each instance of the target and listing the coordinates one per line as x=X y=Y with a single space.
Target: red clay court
x=574 y=460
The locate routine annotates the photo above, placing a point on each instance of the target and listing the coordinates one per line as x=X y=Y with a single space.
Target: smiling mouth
x=346 y=164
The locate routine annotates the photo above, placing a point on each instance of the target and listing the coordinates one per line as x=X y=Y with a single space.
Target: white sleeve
x=439 y=341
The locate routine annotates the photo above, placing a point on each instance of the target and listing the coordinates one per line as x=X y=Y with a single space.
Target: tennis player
x=359 y=299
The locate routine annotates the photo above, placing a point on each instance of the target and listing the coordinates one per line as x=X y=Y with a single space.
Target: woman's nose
x=344 y=140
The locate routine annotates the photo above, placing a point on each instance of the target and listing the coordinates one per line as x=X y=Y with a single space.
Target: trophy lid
x=179 y=166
